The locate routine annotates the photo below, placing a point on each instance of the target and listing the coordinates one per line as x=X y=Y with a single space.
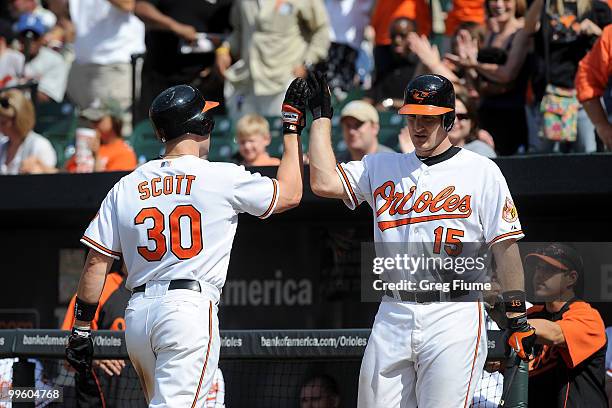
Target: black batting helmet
x=430 y=95
x=179 y=110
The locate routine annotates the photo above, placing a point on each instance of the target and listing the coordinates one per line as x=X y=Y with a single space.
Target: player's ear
x=572 y=278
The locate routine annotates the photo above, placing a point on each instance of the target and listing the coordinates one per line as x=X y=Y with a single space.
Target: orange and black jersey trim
x=571 y=375
x=100 y=248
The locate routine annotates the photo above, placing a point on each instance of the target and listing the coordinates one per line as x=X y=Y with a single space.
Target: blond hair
x=252 y=124
x=20 y=109
x=583 y=6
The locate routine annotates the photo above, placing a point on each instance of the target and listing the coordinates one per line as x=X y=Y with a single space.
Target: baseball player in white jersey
x=173 y=221
x=422 y=351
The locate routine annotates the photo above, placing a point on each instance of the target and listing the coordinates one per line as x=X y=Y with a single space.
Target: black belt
x=175 y=284
x=425 y=296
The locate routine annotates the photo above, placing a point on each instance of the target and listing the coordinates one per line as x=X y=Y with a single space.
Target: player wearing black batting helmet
x=180 y=110
x=430 y=95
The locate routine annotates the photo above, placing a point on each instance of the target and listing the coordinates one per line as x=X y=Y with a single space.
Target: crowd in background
x=516 y=67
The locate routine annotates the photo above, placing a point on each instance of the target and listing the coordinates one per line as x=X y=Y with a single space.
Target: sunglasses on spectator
x=462 y=116
x=4 y=102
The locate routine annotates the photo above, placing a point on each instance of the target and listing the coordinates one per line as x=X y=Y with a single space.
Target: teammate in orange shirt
x=110 y=151
x=568 y=368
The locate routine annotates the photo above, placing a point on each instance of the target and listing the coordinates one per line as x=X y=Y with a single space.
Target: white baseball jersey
x=466 y=194
x=176 y=218
x=428 y=354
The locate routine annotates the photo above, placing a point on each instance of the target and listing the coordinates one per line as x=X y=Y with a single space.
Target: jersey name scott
x=177 y=184
x=394 y=203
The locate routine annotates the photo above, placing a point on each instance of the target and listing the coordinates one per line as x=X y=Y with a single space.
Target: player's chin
x=422 y=142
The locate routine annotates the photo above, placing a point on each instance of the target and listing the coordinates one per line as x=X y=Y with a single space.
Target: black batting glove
x=521 y=336
x=294 y=107
x=79 y=351
x=320 y=96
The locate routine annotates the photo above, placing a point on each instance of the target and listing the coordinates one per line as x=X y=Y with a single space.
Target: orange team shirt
x=464 y=11
x=388 y=10
x=112 y=283
x=569 y=375
x=595 y=68
x=117 y=156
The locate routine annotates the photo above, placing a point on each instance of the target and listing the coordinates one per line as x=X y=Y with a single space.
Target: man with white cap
x=360 y=126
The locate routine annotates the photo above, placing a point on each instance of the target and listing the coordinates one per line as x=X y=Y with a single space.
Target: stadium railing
x=261 y=368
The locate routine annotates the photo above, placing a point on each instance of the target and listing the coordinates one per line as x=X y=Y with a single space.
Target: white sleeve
x=102 y=234
x=356 y=182
x=254 y=194
x=498 y=214
x=53 y=82
x=44 y=151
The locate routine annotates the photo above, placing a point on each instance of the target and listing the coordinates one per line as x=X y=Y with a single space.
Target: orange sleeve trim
x=506 y=235
x=210 y=334
x=467 y=394
x=274 y=200
x=348 y=185
x=94 y=245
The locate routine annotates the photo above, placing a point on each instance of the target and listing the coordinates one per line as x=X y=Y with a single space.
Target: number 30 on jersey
x=157 y=232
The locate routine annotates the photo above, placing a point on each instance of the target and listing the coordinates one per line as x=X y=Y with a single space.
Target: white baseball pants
x=172 y=338
x=427 y=355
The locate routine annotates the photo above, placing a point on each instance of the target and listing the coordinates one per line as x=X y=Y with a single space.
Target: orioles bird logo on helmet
x=419 y=95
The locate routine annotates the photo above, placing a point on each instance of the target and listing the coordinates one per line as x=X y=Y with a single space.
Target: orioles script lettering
x=444 y=205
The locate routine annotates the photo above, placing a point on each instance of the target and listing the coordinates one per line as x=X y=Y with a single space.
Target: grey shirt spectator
x=272 y=42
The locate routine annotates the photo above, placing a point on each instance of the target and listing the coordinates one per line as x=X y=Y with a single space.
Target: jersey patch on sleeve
x=509 y=212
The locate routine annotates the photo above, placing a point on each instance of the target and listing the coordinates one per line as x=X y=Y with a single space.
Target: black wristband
x=84 y=311
x=514 y=301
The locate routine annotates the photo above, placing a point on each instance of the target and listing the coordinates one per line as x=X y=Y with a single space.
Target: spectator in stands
x=567 y=32
x=21 y=143
x=592 y=78
x=568 y=365
x=21 y=7
x=111 y=152
x=44 y=65
x=466 y=133
x=272 y=43
x=360 y=126
x=320 y=392
x=385 y=13
x=347 y=22
x=431 y=61
x=107 y=35
x=253 y=136
x=387 y=93
x=502 y=90
x=11 y=61
x=171 y=26
x=465 y=11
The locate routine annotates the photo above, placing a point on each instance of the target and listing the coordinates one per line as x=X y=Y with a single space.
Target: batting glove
x=294 y=107
x=79 y=351
x=521 y=336
x=320 y=96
